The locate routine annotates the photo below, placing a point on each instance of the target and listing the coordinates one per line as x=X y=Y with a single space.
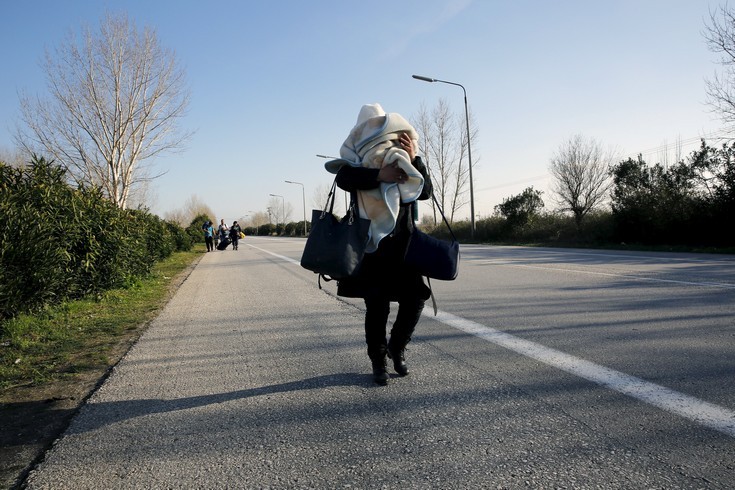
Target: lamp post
x=303 y=198
x=283 y=210
x=469 y=150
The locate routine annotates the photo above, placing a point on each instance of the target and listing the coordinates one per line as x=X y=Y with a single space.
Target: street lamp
x=303 y=197
x=283 y=209
x=469 y=150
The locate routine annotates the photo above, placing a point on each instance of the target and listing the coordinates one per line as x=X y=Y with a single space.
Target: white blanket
x=373 y=143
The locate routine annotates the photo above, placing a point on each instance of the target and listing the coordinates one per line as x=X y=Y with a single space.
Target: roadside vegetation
x=80 y=280
x=83 y=335
x=79 y=274
x=687 y=206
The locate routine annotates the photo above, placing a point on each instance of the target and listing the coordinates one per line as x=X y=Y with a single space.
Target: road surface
x=543 y=368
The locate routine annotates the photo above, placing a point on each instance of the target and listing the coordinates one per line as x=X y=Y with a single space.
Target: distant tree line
x=602 y=203
x=691 y=203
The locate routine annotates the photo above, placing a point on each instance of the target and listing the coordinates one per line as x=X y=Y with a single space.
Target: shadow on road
x=106 y=413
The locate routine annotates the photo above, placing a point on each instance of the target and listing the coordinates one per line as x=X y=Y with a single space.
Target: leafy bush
x=521 y=209
x=60 y=243
x=690 y=203
x=182 y=240
x=267 y=229
x=194 y=230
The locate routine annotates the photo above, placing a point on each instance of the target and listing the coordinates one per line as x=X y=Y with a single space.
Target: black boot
x=409 y=312
x=380 y=373
x=377 y=354
x=398 y=354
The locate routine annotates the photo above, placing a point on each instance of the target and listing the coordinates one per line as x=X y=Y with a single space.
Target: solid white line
x=708 y=414
x=539 y=251
x=610 y=274
x=704 y=413
x=287 y=259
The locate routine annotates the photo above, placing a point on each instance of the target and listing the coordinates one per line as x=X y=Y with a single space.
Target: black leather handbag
x=335 y=247
x=433 y=257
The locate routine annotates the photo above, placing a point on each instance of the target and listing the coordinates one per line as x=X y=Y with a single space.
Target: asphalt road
x=544 y=368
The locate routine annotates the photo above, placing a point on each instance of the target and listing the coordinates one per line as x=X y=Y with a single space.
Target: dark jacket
x=383 y=272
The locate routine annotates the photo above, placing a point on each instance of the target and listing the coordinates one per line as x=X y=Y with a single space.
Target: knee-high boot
x=409 y=313
x=376 y=318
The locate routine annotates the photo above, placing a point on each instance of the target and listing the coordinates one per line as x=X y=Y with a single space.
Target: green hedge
x=195 y=231
x=59 y=243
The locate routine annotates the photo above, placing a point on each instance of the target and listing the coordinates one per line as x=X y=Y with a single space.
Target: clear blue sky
x=276 y=82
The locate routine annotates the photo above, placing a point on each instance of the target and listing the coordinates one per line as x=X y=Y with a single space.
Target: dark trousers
x=234 y=243
x=210 y=243
x=377 y=310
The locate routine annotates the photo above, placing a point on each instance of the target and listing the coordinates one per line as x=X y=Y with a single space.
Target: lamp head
x=425 y=79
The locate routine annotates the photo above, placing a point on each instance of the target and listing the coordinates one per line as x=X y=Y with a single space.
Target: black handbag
x=432 y=257
x=335 y=247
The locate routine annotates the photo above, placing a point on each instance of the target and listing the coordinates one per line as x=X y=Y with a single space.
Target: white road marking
x=610 y=274
x=539 y=251
x=283 y=257
x=704 y=413
x=707 y=414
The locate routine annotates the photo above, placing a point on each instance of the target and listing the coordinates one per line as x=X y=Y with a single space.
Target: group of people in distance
x=224 y=235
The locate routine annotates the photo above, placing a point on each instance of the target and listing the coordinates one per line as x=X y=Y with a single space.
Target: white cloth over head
x=373 y=143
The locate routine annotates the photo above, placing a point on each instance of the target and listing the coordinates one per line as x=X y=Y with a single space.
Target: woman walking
x=379 y=164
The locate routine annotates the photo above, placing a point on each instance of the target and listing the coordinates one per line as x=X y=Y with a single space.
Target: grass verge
x=80 y=336
x=50 y=362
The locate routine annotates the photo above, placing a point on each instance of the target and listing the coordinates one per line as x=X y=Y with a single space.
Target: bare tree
x=719 y=34
x=13 y=158
x=443 y=142
x=115 y=100
x=580 y=169
x=192 y=208
x=280 y=210
x=665 y=153
x=258 y=219
x=177 y=216
x=320 y=195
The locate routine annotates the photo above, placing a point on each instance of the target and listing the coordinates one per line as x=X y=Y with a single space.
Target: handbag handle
x=353 y=209
x=329 y=205
x=436 y=202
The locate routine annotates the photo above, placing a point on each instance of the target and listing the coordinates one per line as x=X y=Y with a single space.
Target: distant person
x=235 y=231
x=222 y=231
x=208 y=235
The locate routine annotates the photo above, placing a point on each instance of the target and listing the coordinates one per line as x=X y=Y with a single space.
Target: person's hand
x=405 y=141
x=392 y=173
